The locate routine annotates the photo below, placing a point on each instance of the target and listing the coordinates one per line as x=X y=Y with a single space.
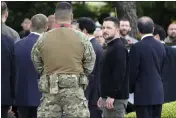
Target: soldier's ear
x=71 y=16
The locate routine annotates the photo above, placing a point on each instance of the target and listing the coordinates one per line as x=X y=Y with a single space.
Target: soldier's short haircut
x=4 y=8
x=39 y=21
x=63 y=11
x=113 y=19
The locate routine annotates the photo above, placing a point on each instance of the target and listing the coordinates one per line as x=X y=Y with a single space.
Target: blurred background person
x=26 y=25
x=51 y=22
x=99 y=36
x=171 y=38
x=125 y=29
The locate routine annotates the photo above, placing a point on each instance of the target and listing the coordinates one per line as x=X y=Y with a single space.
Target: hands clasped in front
x=109 y=103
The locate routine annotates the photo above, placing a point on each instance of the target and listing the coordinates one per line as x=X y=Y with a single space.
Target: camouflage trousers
x=70 y=100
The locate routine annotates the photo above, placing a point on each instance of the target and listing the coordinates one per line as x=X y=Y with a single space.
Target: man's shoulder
x=12 y=30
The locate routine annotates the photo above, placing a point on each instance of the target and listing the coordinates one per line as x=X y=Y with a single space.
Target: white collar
x=146 y=35
x=91 y=38
x=36 y=33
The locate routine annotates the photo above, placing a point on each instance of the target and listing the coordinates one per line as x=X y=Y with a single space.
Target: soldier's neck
x=63 y=22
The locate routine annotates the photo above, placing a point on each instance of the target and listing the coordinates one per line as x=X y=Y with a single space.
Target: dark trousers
x=148 y=111
x=95 y=112
x=4 y=111
x=27 y=112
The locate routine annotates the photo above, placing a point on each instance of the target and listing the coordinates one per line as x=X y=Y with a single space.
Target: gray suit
x=6 y=30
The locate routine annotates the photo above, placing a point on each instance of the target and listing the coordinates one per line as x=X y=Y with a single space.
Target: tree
x=128 y=9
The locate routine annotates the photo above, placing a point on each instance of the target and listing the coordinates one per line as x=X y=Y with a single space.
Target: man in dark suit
x=8 y=73
x=92 y=92
x=146 y=62
x=114 y=72
x=168 y=72
x=28 y=95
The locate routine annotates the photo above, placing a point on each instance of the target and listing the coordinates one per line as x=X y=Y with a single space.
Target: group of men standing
x=66 y=70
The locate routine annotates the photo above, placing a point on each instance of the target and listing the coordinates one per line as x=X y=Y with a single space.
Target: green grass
x=169 y=111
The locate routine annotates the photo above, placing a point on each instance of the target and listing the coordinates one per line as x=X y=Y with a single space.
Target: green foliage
x=162 y=12
x=169 y=111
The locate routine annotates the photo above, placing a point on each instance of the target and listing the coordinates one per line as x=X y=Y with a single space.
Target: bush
x=169 y=111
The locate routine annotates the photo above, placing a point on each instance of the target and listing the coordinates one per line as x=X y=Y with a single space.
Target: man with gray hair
x=27 y=93
x=64 y=57
x=6 y=30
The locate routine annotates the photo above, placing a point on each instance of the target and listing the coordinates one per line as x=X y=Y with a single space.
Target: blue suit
x=27 y=91
x=92 y=92
x=146 y=63
x=8 y=73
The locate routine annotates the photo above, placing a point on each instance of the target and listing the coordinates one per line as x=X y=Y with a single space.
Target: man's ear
x=85 y=31
x=157 y=37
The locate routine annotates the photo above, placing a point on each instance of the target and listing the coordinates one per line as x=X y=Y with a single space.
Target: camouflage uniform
x=63 y=92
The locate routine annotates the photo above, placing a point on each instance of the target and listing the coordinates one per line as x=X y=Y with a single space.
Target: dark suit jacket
x=169 y=74
x=8 y=71
x=27 y=88
x=93 y=90
x=146 y=62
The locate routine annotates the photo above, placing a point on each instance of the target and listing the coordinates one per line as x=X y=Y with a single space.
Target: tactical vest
x=62 y=52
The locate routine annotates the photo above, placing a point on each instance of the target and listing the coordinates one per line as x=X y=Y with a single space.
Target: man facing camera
x=114 y=74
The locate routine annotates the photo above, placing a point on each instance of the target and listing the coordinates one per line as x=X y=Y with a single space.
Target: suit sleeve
x=134 y=61
x=12 y=68
x=119 y=67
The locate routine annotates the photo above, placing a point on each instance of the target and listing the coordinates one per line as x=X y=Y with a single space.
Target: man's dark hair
x=63 y=11
x=124 y=19
x=113 y=19
x=86 y=23
x=160 y=31
x=4 y=8
x=145 y=25
x=102 y=17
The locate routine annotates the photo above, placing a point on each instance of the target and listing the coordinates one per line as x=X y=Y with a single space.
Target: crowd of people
x=59 y=66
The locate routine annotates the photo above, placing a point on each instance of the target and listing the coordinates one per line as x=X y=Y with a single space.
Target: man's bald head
x=51 y=22
x=39 y=23
x=145 y=25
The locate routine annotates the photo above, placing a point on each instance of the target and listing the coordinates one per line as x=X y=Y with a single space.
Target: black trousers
x=148 y=111
x=27 y=112
x=95 y=112
x=4 y=111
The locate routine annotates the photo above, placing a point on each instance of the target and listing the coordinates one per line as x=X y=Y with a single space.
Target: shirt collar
x=36 y=33
x=91 y=38
x=146 y=35
x=62 y=25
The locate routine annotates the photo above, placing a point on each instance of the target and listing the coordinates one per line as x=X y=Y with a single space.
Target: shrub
x=169 y=111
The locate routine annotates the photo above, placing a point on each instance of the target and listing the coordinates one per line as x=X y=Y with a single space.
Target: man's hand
x=100 y=102
x=109 y=103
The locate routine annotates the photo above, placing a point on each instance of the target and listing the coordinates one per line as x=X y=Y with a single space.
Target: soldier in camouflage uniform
x=64 y=57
